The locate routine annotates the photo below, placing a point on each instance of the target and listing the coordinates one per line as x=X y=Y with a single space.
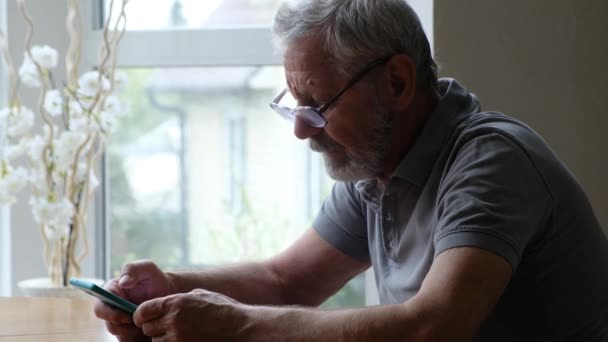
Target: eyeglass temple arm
x=352 y=82
x=280 y=96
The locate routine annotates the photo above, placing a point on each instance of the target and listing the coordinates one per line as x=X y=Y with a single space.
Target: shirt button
x=388 y=217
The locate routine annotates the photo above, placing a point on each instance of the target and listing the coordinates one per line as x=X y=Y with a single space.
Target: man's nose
x=302 y=130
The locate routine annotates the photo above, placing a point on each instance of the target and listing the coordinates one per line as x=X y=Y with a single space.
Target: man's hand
x=196 y=316
x=139 y=281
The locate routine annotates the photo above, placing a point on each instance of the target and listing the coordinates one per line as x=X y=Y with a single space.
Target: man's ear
x=400 y=77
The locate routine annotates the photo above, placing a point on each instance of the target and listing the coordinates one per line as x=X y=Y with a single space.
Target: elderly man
x=474 y=228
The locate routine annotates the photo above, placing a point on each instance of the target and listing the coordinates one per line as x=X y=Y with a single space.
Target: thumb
x=126 y=281
x=135 y=272
x=151 y=310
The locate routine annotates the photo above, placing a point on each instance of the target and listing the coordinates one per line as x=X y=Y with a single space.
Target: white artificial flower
x=12 y=152
x=28 y=74
x=80 y=177
x=53 y=102
x=46 y=132
x=83 y=124
x=86 y=102
x=65 y=211
x=17 y=121
x=11 y=182
x=34 y=149
x=59 y=218
x=58 y=176
x=45 y=56
x=107 y=122
x=75 y=109
x=120 y=80
x=55 y=216
x=37 y=179
x=112 y=105
x=16 y=179
x=65 y=147
x=41 y=210
x=72 y=141
x=89 y=83
x=80 y=172
x=55 y=234
x=23 y=122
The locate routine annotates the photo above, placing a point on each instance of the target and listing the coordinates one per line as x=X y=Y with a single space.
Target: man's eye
x=308 y=102
x=312 y=103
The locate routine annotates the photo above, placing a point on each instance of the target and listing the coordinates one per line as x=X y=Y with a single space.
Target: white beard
x=361 y=165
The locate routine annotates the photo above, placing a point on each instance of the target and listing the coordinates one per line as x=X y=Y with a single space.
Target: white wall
x=424 y=9
x=5 y=276
x=543 y=62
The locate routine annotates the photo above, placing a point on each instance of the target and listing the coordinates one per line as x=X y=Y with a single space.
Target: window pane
x=194 y=14
x=203 y=172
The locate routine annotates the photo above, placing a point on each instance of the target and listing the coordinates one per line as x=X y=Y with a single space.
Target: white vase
x=43 y=287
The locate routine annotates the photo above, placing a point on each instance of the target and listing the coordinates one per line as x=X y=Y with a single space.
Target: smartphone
x=105 y=296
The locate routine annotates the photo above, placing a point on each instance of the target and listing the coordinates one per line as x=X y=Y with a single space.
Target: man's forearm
x=250 y=283
x=380 y=323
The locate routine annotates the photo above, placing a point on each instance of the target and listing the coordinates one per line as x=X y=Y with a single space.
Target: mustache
x=323 y=143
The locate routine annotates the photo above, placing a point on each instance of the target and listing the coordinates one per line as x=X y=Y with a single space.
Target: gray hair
x=354 y=32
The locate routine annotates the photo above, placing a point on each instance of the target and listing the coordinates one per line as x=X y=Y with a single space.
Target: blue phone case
x=105 y=296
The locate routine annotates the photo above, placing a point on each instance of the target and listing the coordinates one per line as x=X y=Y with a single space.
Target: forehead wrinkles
x=307 y=66
x=308 y=77
x=301 y=82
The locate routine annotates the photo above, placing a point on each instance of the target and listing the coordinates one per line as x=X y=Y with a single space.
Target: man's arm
x=307 y=273
x=459 y=291
x=461 y=288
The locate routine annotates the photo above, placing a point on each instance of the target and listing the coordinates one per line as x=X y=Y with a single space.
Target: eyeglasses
x=313 y=116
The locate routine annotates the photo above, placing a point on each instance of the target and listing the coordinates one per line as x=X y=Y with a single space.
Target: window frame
x=249 y=47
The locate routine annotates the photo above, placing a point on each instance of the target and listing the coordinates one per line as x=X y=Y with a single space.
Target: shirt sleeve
x=492 y=197
x=342 y=223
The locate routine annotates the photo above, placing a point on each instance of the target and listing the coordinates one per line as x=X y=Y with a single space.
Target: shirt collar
x=456 y=103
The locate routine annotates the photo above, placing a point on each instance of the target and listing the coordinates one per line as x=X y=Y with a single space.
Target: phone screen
x=105 y=296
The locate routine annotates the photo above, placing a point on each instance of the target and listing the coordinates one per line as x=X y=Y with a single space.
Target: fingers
x=134 y=272
x=110 y=314
x=153 y=328
x=164 y=338
x=150 y=310
x=113 y=287
x=125 y=332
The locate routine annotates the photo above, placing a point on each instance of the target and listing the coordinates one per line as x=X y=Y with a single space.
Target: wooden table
x=26 y=319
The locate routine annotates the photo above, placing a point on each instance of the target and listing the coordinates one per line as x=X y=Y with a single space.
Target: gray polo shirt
x=485 y=180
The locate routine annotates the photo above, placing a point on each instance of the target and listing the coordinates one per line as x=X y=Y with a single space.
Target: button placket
x=390 y=235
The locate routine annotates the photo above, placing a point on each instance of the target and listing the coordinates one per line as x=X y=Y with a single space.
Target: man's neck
x=406 y=129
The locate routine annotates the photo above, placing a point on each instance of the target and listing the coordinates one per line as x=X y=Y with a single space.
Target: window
x=202 y=172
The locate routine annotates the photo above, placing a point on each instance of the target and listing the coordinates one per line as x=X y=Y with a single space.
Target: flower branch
x=77 y=118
